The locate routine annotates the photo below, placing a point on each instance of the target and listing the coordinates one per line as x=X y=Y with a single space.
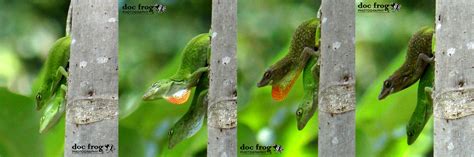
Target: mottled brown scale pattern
x=419 y=43
x=303 y=37
x=412 y=68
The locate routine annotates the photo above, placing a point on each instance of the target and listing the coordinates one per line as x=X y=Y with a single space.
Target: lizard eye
x=267 y=74
x=299 y=112
x=38 y=96
x=387 y=84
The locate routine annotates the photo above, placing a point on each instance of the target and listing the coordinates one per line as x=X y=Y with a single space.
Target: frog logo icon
x=278 y=148
x=396 y=6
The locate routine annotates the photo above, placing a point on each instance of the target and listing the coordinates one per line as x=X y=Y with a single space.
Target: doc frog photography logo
x=143 y=9
x=377 y=7
x=93 y=149
x=258 y=149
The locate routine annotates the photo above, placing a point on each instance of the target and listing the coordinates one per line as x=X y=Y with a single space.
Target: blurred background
x=149 y=50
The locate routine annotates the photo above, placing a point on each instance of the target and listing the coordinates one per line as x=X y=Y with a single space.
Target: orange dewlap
x=280 y=91
x=179 y=98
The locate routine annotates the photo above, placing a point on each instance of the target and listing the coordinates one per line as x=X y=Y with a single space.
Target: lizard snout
x=385 y=92
x=263 y=82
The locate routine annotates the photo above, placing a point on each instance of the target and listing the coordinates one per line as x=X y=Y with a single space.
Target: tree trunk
x=454 y=82
x=222 y=111
x=92 y=97
x=337 y=79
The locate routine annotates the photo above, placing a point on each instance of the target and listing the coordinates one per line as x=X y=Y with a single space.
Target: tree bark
x=222 y=111
x=92 y=97
x=454 y=79
x=337 y=79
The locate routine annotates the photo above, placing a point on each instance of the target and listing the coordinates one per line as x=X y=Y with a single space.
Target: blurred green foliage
x=149 y=50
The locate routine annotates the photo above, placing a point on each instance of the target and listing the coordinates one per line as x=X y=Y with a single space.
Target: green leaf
x=131 y=143
x=53 y=140
x=19 y=124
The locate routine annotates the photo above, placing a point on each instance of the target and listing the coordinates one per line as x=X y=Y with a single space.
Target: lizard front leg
x=194 y=77
x=429 y=92
x=60 y=72
x=306 y=55
x=64 y=88
x=421 y=62
x=316 y=69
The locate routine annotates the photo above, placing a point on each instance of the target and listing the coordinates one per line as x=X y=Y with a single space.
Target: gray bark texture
x=222 y=111
x=454 y=79
x=92 y=97
x=337 y=79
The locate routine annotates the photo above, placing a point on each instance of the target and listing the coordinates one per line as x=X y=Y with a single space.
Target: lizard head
x=183 y=129
x=52 y=114
x=173 y=139
x=392 y=85
x=386 y=89
x=39 y=101
x=304 y=114
x=413 y=131
x=175 y=92
x=266 y=79
x=41 y=98
x=157 y=90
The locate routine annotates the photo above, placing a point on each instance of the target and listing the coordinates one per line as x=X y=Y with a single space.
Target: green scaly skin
x=53 y=71
x=310 y=84
x=418 y=57
x=193 y=64
x=192 y=121
x=290 y=65
x=55 y=109
x=424 y=105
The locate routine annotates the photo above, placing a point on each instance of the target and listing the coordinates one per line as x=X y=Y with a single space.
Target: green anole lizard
x=310 y=84
x=53 y=81
x=55 y=109
x=283 y=74
x=177 y=88
x=424 y=105
x=54 y=71
x=418 y=57
x=192 y=121
x=423 y=111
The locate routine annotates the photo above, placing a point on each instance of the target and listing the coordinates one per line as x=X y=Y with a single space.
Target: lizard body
x=283 y=74
x=424 y=104
x=177 y=88
x=418 y=57
x=192 y=120
x=55 y=109
x=310 y=84
x=53 y=70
